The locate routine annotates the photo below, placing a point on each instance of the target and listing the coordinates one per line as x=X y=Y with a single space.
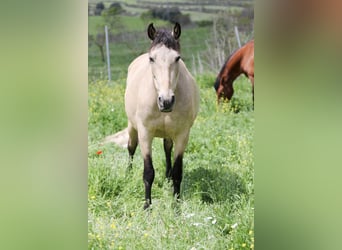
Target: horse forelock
x=217 y=83
x=165 y=37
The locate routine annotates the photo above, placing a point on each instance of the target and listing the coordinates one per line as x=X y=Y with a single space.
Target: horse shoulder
x=140 y=94
x=190 y=89
x=138 y=66
x=137 y=79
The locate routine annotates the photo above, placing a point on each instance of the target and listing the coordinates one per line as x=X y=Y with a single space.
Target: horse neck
x=232 y=68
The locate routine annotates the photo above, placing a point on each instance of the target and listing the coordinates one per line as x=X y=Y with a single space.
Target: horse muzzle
x=166 y=104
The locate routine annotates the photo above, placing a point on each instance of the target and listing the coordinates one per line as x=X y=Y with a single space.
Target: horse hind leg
x=168 y=144
x=132 y=144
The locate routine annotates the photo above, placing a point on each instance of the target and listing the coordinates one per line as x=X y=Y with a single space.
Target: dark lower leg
x=148 y=178
x=167 y=149
x=177 y=174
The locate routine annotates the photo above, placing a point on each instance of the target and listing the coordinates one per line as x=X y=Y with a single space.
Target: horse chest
x=164 y=125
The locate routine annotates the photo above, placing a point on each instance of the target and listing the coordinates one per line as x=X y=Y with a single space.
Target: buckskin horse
x=161 y=100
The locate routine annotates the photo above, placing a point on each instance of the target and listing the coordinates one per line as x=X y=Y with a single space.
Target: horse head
x=164 y=56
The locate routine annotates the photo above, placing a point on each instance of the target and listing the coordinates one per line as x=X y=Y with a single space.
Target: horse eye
x=177 y=58
x=151 y=60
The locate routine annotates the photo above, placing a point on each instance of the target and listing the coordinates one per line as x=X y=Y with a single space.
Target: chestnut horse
x=239 y=62
x=161 y=100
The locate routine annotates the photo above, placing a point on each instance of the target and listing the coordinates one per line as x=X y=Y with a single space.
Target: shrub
x=99 y=8
x=172 y=15
x=115 y=9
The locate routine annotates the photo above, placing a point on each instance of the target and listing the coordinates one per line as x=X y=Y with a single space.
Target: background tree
x=171 y=14
x=112 y=17
x=99 y=8
x=100 y=41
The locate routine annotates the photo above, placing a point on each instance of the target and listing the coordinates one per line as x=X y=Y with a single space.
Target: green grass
x=216 y=210
x=95 y=24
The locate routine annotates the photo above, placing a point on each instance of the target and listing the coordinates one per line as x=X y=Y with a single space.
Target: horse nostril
x=173 y=99
x=159 y=98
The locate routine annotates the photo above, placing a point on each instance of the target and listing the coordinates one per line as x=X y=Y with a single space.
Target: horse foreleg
x=145 y=141
x=167 y=149
x=177 y=175
x=148 y=178
x=177 y=171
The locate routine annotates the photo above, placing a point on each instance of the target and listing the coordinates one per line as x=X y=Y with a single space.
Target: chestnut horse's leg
x=167 y=149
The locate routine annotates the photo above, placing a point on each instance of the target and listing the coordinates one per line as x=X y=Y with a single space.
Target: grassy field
x=216 y=210
x=217 y=197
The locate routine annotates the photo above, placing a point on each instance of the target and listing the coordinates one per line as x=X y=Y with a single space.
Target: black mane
x=218 y=78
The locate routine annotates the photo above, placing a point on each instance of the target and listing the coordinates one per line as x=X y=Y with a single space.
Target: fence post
x=237 y=35
x=108 y=57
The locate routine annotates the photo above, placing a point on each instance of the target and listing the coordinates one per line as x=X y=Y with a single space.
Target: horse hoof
x=146 y=205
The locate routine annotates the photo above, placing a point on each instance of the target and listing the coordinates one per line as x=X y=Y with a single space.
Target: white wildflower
x=208 y=218
x=189 y=215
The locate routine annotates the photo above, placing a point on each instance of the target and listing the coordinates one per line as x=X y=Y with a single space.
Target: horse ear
x=176 y=31
x=151 y=31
